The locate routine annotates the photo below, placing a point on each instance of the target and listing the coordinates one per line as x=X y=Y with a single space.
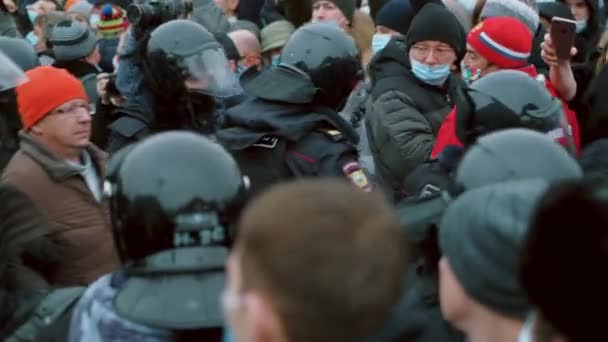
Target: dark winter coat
x=273 y=141
x=78 y=223
x=402 y=119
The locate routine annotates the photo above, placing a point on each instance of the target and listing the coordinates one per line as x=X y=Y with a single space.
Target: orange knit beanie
x=47 y=88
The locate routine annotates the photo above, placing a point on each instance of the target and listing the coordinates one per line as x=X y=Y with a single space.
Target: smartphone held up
x=563 y=34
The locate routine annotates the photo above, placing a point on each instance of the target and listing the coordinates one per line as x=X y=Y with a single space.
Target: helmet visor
x=210 y=74
x=11 y=75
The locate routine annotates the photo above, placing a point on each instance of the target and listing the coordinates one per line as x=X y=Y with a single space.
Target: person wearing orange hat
x=61 y=172
x=499 y=43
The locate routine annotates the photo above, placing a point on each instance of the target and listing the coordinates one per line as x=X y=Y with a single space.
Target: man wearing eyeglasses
x=61 y=172
x=410 y=98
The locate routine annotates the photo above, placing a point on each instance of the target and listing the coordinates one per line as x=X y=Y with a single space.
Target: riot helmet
x=509 y=99
x=183 y=57
x=514 y=154
x=20 y=52
x=174 y=198
x=319 y=63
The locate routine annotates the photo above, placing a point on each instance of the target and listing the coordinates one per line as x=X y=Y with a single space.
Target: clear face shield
x=210 y=74
x=11 y=75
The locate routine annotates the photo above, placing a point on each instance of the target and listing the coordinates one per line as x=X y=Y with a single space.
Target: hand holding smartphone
x=563 y=34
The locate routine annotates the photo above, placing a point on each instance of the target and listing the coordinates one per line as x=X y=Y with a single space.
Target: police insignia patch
x=357 y=176
x=267 y=141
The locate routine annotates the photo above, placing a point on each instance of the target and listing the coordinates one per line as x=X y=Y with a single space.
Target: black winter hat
x=435 y=22
x=548 y=10
x=346 y=6
x=396 y=15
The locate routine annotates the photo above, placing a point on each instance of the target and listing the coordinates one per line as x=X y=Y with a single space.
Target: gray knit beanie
x=482 y=234
x=525 y=11
x=72 y=41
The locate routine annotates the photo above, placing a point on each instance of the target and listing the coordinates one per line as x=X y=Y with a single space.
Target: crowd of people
x=303 y=170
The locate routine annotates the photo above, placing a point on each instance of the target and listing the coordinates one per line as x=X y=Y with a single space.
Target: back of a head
x=515 y=154
x=563 y=268
x=246 y=42
x=313 y=245
x=396 y=15
x=329 y=56
x=188 y=175
x=508 y=99
x=482 y=235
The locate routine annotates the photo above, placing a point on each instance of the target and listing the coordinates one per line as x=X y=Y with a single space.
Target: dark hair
x=331 y=255
x=565 y=260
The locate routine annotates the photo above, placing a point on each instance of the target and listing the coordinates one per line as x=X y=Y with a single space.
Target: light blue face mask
x=32 y=15
x=32 y=38
x=581 y=25
x=94 y=20
x=240 y=69
x=431 y=75
x=228 y=337
x=379 y=41
x=275 y=60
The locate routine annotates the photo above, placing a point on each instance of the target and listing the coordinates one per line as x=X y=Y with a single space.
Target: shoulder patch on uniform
x=333 y=134
x=357 y=176
x=267 y=141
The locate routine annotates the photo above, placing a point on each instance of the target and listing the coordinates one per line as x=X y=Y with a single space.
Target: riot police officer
x=20 y=56
x=174 y=200
x=291 y=128
x=511 y=154
x=184 y=68
x=501 y=100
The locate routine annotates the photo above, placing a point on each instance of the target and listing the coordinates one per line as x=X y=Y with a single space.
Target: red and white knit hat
x=504 y=41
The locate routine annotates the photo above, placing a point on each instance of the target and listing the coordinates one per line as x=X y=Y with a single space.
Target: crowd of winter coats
x=504 y=224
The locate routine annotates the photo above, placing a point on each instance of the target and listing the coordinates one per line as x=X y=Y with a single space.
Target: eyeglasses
x=423 y=52
x=74 y=109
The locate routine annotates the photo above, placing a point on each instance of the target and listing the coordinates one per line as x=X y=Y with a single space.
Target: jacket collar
x=530 y=70
x=58 y=169
x=77 y=68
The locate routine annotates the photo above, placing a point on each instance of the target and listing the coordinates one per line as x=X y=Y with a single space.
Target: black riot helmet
x=174 y=198
x=319 y=63
x=509 y=99
x=506 y=155
x=173 y=182
x=182 y=56
x=20 y=52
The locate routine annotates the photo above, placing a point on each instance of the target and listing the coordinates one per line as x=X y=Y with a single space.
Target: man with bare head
x=249 y=50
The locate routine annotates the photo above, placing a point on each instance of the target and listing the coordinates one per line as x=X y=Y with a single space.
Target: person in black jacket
x=292 y=128
x=24 y=57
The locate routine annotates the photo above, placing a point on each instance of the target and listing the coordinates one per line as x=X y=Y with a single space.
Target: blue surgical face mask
x=32 y=38
x=94 y=20
x=275 y=60
x=32 y=15
x=379 y=41
x=581 y=25
x=431 y=75
x=240 y=69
